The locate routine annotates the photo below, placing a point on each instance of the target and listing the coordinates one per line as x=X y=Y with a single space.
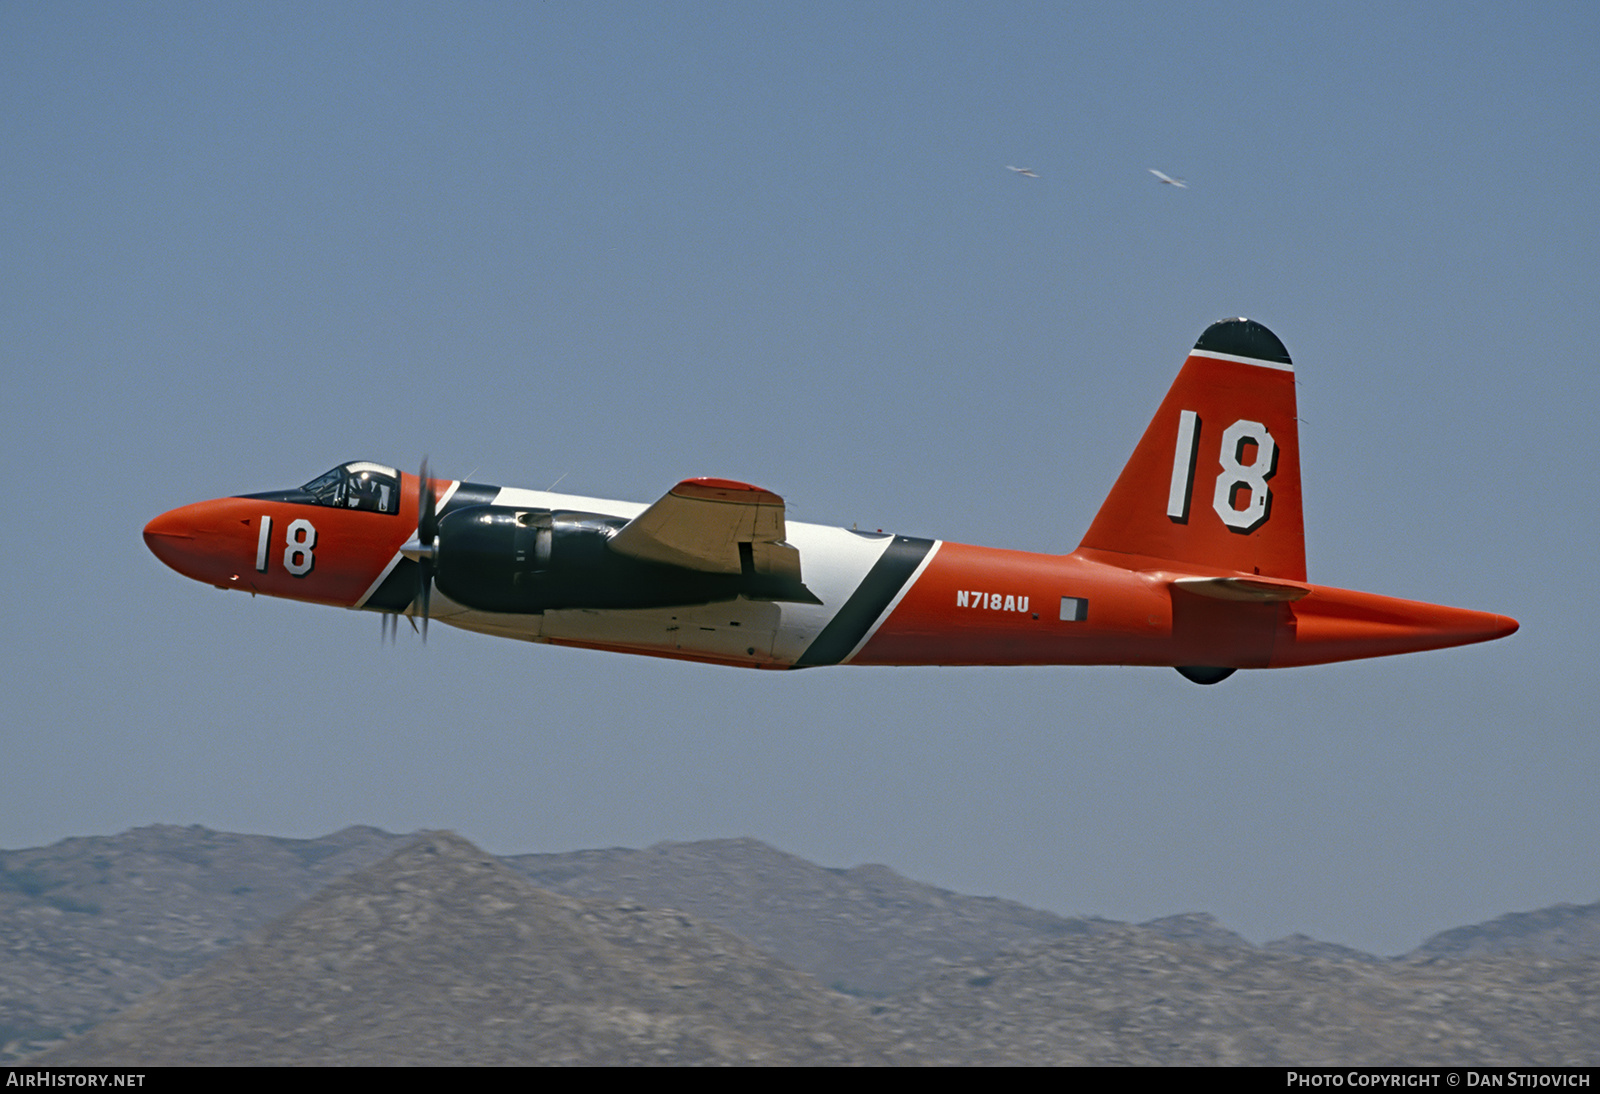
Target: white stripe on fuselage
x=518 y=498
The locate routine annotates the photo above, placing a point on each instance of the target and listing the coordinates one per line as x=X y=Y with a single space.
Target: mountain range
x=168 y=945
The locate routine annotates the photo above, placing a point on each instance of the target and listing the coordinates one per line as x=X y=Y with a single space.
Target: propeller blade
x=427 y=515
x=424 y=593
x=427 y=531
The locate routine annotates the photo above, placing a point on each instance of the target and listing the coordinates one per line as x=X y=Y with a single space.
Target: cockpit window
x=368 y=486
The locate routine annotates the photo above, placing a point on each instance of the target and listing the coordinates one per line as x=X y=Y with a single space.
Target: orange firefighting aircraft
x=1196 y=560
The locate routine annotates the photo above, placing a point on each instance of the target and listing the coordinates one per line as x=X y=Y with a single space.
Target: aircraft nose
x=169 y=535
x=195 y=540
x=169 y=525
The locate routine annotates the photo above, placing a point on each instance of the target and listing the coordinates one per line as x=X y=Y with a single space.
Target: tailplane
x=1215 y=482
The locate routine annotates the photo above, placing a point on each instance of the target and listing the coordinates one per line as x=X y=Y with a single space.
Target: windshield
x=368 y=486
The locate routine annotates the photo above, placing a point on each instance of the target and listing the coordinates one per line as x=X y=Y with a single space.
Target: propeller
x=421 y=548
x=427 y=531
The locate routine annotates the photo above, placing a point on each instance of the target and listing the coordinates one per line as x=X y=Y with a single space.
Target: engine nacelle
x=497 y=558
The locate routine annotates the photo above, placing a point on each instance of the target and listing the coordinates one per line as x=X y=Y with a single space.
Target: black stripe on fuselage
x=399 y=589
x=469 y=494
x=882 y=583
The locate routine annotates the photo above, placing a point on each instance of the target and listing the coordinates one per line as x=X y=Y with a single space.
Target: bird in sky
x=1169 y=180
x=1028 y=171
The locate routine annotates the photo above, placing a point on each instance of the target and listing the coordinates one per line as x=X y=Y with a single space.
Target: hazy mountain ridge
x=1560 y=931
x=865 y=930
x=89 y=924
x=1126 y=997
x=441 y=955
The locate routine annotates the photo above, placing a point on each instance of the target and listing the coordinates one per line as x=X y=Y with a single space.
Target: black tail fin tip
x=1243 y=338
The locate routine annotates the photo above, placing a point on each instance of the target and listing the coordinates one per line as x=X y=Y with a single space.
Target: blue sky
x=620 y=245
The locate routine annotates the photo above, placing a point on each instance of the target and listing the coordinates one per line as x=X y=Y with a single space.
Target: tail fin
x=1215 y=482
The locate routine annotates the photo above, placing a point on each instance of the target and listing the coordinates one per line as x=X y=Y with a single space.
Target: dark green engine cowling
x=496 y=558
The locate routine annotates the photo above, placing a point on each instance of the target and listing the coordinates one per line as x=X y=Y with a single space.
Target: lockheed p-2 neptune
x=1196 y=559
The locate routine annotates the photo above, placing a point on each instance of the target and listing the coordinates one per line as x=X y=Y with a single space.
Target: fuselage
x=1196 y=559
x=875 y=598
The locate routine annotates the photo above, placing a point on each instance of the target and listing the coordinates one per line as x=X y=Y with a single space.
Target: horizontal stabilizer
x=1258 y=590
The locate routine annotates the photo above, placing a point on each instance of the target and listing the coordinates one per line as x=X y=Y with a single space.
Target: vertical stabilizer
x=1215 y=482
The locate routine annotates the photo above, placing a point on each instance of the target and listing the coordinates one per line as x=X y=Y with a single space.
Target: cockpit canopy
x=360 y=485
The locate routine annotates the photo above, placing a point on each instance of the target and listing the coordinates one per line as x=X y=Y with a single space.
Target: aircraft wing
x=715 y=526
